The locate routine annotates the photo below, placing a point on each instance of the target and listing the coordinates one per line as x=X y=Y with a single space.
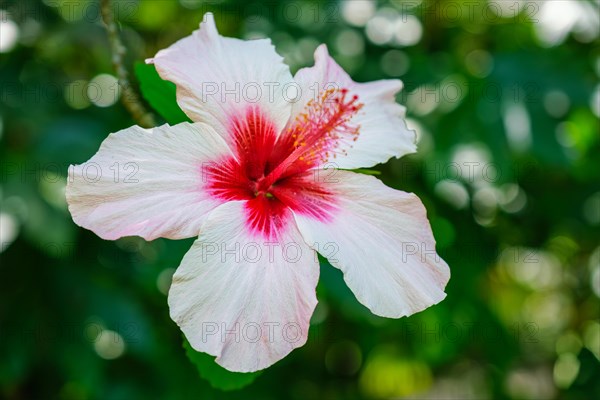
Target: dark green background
x=520 y=233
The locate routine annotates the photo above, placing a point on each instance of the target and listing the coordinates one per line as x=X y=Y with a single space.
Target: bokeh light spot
x=9 y=230
x=349 y=43
x=407 y=30
x=103 y=90
x=76 y=94
x=164 y=279
x=358 y=12
x=343 y=358
x=395 y=63
x=453 y=192
x=389 y=376
x=109 y=345
x=591 y=209
x=9 y=33
x=517 y=125
x=556 y=103
x=591 y=337
x=479 y=63
x=380 y=28
x=566 y=369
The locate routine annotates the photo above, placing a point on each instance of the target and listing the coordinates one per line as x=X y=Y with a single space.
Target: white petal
x=383 y=131
x=240 y=298
x=146 y=182
x=218 y=78
x=381 y=239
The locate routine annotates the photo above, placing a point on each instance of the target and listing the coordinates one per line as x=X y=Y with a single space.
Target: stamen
x=325 y=124
x=321 y=131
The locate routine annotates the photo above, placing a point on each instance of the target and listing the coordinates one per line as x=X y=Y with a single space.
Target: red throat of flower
x=273 y=173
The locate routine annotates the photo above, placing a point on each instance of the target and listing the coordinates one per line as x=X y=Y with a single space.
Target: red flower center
x=279 y=174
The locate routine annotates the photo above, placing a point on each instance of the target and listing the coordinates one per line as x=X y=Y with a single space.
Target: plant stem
x=129 y=97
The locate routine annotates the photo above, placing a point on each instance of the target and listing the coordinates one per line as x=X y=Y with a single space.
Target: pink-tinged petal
x=242 y=298
x=147 y=182
x=382 y=130
x=219 y=78
x=381 y=240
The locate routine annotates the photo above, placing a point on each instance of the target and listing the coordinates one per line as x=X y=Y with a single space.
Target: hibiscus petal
x=381 y=240
x=146 y=182
x=242 y=298
x=383 y=131
x=220 y=78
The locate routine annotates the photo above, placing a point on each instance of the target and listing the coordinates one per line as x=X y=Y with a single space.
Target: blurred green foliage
x=505 y=98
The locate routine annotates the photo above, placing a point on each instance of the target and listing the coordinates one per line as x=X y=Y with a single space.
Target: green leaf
x=217 y=376
x=159 y=93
